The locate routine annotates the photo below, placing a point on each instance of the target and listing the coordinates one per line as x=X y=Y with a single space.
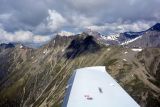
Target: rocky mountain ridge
x=38 y=77
x=147 y=38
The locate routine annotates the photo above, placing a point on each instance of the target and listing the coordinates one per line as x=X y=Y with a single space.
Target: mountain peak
x=156 y=27
x=93 y=33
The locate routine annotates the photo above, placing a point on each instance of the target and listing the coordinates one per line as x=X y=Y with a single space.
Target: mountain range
x=38 y=77
x=147 y=38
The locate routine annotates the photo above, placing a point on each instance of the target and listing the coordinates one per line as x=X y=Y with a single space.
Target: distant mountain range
x=148 y=38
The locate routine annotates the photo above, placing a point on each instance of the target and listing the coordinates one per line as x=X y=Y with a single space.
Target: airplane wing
x=94 y=87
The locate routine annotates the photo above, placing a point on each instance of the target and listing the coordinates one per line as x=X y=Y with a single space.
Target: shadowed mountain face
x=6 y=60
x=38 y=77
x=5 y=46
x=9 y=45
x=80 y=46
x=156 y=27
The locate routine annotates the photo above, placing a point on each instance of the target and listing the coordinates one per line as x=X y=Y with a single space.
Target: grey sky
x=43 y=18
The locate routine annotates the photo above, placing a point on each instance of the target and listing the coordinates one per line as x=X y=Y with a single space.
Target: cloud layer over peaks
x=47 y=17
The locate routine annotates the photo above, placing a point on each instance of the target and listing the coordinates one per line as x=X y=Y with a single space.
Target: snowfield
x=94 y=87
x=130 y=40
x=137 y=49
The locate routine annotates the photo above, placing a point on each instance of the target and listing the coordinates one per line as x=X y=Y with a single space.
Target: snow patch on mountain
x=113 y=37
x=137 y=49
x=130 y=40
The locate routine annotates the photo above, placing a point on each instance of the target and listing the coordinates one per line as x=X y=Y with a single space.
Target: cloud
x=53 y=23
x=22 y=37
x=81 y=21
x=111 y=10
x=55 y=20
x=119 y=27
x=46 y=17
x=40 y=39
x=5 y=16
x=65 y=33
x=88 y=5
